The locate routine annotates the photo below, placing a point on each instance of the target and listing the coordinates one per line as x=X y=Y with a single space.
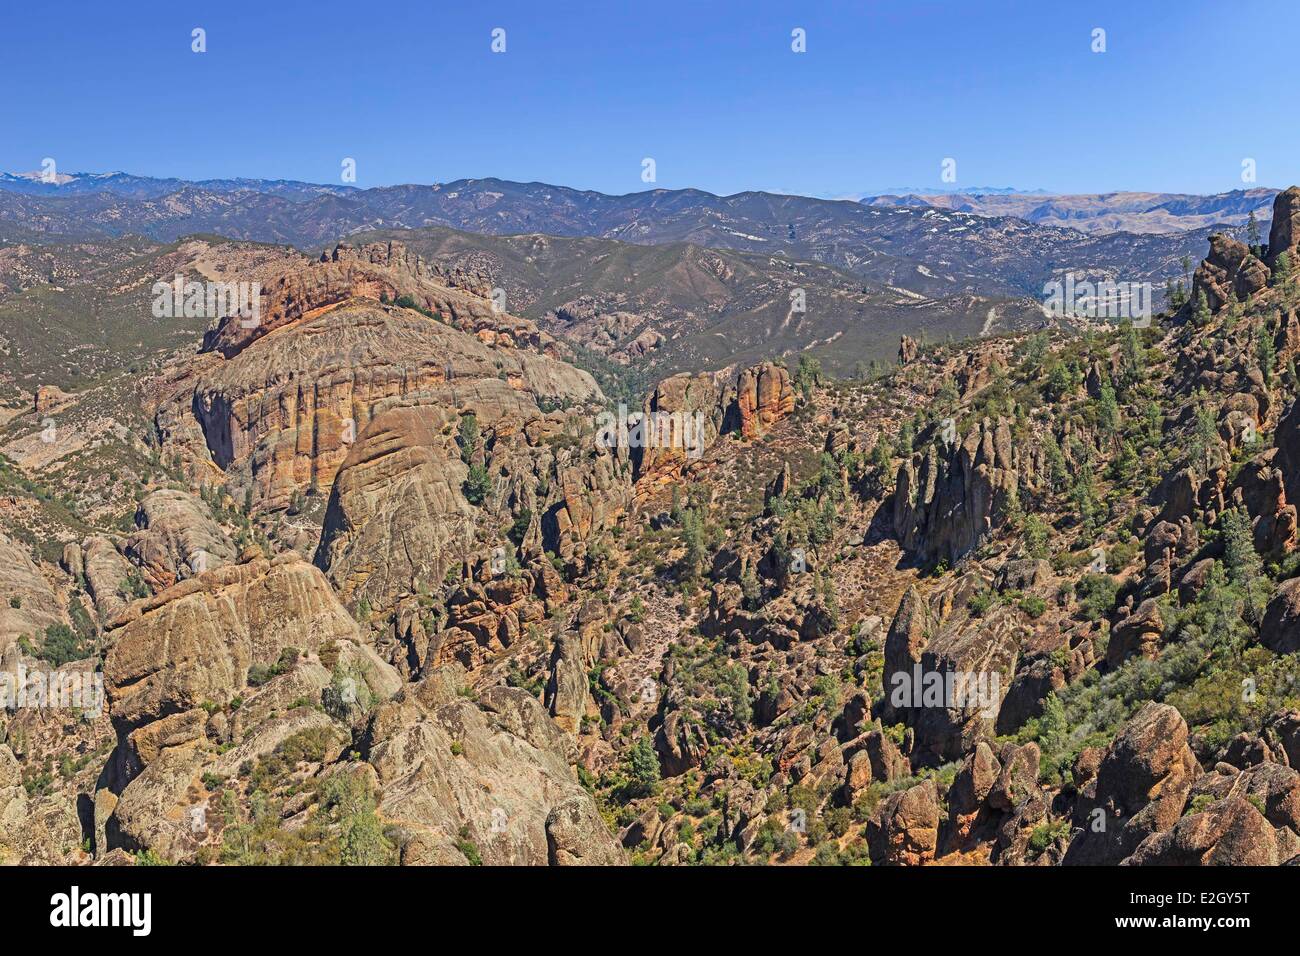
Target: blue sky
x=711 y=91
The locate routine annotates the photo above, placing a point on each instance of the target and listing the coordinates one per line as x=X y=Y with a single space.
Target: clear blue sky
x=711 y=91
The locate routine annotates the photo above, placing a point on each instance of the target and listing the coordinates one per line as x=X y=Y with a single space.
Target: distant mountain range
x=1137 y=212
x=149 y=187
x=658 y=309
x=912 y=243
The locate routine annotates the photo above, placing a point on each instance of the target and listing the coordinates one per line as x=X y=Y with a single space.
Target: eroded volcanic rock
x=494 y=774
x=1229 y=273
x=764 y=395
x=29 y=604
x=278 y=405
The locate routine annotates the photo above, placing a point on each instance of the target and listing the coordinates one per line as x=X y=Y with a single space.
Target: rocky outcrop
x=492 y=775
x=1263 y=489
x=904 y=830
x=105 y=572
x=1284 y=233
x=29 y=605
x=685 y=414
x=1137 y=634
x=907 y=350
x=1280 y=629
x=1231 y=832
x=233 y=655
x=397 y=515
x=947 y=500
x=764 y=395
x=279 y=412
x=1141 y=788
x=195 y=642
x=947 y=670
x=178 y=538
x=1229 y=273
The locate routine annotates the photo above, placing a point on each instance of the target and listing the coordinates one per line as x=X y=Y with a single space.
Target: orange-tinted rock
x=764 y=395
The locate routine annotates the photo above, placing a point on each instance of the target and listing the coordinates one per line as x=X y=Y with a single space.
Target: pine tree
x=1266 y=353
x=1282 y=269
x=1108 y=411
x=1201 y=312
x=1130 y=356
x=1240 y=559
x=467 y=436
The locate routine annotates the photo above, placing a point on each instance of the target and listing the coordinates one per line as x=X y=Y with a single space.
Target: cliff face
x=948 y=497
x=277 y=405
x=1284 y=234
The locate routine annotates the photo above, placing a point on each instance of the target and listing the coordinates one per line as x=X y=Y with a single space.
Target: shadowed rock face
x=946 y=502
x=1280 y=630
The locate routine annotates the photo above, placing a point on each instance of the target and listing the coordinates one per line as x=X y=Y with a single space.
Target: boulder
x=1231 y=832
x=904 y=829
x=1229 y=273
x=1141 y=788
x=1280 y=629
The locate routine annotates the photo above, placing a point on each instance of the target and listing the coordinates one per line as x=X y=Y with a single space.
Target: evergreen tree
x=1266 y=354
x=1240 y=559
x=1282 y=269
x=477 y=484
x=642 y=768
x=467 y=436
x=1201 y=312
x=808 y=374
x=1108 y=416
x=1130 y=355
